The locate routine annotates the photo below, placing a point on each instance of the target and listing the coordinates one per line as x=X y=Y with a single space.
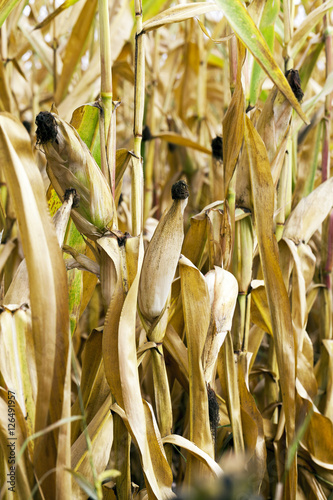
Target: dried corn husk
x=70 y=165
x=161 y=257
x=223 y=291
x=274 y=121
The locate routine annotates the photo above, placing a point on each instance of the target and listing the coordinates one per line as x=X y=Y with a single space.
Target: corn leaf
x=246 y=30
x=263 y=200
x=308 y=25
x=48 y=289
x=120 y=362
x=177 y=14
x=196 y=306
x=55 y=13
x=174 y=138
x=5 y=9
x=310 y=213
x=188 y=445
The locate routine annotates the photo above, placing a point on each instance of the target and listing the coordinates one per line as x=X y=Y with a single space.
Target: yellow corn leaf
x=156 y=448
x=177 y=14
x=195 y=239
x=154 y=444
x=312 y=486
x=17 y=359
x=274 y=124
x=227 y=371
x=123 y=157
x=111 y=267
x=174 y=138
x=196 y=307
x=259 y=307
x=121 y=454
x=5 y=251
x=120 y=364
x=298 y=293
x=214 y=40
x=88 y=286
x=310 y=21
x=176 y=348
x=93 y=383
x=5 y=9
x=310 y=213
x=243 y=254
x=263 y=201
x=48 y=293
x=132 y=255
x=6 y=98
x=318 y=437
x=324 y=376
x=309 y=105
x=18 y=291
x=100 y=431
x=233 y=125
x=246 y=30
x=61 y=218
x=55 y=13
x=253 y=427
x=256 y=335
x=328 y=344
x=178 y=440
x=214 y=237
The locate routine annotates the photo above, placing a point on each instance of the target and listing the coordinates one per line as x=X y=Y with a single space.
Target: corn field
x=166 y=249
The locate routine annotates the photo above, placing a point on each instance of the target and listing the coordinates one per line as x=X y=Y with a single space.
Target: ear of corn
x=71 y=166
x=223 y=289
x=161 y=257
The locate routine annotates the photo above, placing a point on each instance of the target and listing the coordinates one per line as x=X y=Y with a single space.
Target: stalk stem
x=149 y=165
x=107 y=143
x=325 y=164
x=139 y=87
x=327 y=227
x=54 y=48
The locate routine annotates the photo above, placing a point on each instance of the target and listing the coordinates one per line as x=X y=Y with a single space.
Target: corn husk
x=223 y=291
x=161 y=258
x=274 y=121
x=70 y=165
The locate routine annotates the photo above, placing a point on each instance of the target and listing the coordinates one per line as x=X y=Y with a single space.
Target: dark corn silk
x=179 y=191
x=70 y=165
x=47 y=128
x=217 y=148
x=76 y=196
x=214 y=412
x=294 y=81
x=146 y=134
